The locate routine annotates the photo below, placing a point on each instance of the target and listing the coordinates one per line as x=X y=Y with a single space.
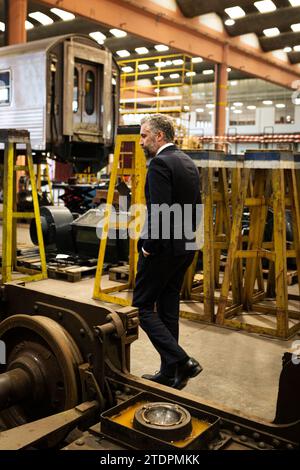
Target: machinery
x=64 y=91
x=67 y=367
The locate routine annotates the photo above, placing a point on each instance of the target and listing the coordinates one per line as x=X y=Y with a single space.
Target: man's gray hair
x=160 y=122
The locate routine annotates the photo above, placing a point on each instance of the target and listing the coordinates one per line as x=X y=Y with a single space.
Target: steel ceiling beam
x=279 y=42
x=257 y=22
x=168 y=27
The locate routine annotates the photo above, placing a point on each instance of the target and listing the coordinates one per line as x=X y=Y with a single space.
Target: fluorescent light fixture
x=168 y=62
x=158 y=78
x=211 y=112
x=41 y=17
x=199 y=110
x=62 y=14
x=208 y=72
x=123 y=53
x=287 y=49
x=2 y=26
x=161 y=47
x=271 y=32
x=229 y=22
x=235 y=12
x=174 y=75
x=186 y=108
x=177 y=62
x=295 y=3
x=28 y=25
x=296 y=48
x=232 y=107
x=228 y=69
x=237 y=111
x=118 y=33
x=233 y=82
x=190 y=74
x=98 y=36
x=160 y=64
x=267 y=102
x=141 y=50
x=238 y=104
x=280 y=105
x=157 y=90
x=197 y=60
x=251 y=106
x=297 y=101
x=127 y=69
x=143 y=67
x=265 y=6
x=295 y=27
x=210 y=105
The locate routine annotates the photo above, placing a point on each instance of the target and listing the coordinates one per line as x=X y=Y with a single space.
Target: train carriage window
x=89 y=92
x=4 y=87
x=76 y=91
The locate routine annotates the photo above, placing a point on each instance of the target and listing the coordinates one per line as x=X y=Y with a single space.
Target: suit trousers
x=158 y=283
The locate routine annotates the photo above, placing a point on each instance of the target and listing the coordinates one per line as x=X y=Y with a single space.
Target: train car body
x=63 y=90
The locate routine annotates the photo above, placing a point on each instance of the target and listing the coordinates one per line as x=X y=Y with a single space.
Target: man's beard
x=148 y=153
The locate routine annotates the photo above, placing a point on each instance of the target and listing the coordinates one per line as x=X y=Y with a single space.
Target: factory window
x=76 y=91
x=89 y=92
x=5 y=87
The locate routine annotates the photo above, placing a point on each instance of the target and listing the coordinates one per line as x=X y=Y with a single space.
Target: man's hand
x=145 y=253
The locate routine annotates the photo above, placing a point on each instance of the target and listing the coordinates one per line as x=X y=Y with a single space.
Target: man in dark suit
x=166 y=247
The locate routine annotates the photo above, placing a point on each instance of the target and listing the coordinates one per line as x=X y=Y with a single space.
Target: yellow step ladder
x=128 y=161
x=10 y=138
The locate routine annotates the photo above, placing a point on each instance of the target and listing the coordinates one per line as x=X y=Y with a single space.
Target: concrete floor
x=240 y=370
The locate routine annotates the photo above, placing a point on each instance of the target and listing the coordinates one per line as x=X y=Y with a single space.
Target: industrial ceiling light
x=235 y=12
x=161 y=47
x=166 y=421
x=199 y=110
x=177 y=62
x=271 y=32
x=62 y=14
x=295 y=3
x=118 y=33
x=28 y=25
x=297 y=48
x=267 y=102
x=228 y=69
x=233 y=82
x=143 y=67
x=229 y=22
x=208 y=72
x=280 y=105
x=237 y=111
x=127 y=69
x=98 y=36
x=197 y=60
x=123 y=53
x=251 y=106
x=295 y=27
x=237 y=104
x=174 y=75
x=210 y=105
x=265 y=6
x=160 y=64
x=2 y=26
x=287 y=49
x=158 y=78
x=41 y=18
x=141 y=50
x=190 y=74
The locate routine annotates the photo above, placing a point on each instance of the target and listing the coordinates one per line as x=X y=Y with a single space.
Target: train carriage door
x=86 y=98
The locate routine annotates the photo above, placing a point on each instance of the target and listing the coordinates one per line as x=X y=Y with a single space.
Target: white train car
x=64 y=91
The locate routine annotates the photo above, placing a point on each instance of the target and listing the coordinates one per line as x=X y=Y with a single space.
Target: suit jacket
x=172 y=179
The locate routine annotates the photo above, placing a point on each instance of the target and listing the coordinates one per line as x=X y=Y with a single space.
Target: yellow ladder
x=10 y=138
x=127 y=136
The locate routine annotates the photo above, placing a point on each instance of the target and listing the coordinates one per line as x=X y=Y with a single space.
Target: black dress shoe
x=160 y=379
x=186 y=371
